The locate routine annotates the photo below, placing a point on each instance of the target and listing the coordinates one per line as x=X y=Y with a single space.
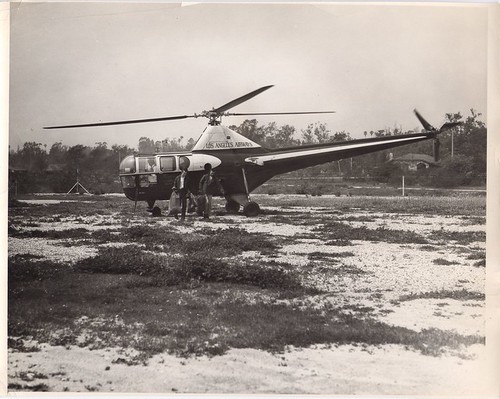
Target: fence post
x=403 y=185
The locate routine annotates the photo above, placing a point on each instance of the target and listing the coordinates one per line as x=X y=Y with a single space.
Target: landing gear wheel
x=251 y=209
x=232 y=206
x=156 y=211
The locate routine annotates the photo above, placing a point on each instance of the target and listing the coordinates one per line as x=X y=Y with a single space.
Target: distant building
x=414 y=162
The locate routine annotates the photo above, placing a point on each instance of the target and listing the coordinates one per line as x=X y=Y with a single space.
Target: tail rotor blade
x=427 y=126
x=449 y=125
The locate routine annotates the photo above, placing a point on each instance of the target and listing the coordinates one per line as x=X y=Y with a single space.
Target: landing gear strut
x=235 y=201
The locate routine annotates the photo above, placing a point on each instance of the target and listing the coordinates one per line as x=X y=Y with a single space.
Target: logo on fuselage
x=211 y=145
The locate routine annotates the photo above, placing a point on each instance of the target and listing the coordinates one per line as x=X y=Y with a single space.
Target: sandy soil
x=390 y=272
x=343 y=370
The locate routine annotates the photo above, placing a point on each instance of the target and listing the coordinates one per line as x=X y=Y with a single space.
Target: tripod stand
x=77 y=185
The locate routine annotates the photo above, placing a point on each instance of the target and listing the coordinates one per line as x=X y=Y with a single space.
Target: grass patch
x=197 y=267
x=480 y=258
x=460 y=295
x=339 y=243
x=189 y=294
x=429 y=248
x=221 y=242
x=30 y=376
x=428 y=205
x=477 y=256
x=79 y=232
x=333 y=230
x=19 y=345
x=32 y=388
x=350 y=270
x=317 y=255
x=461 y=237
x=199 y=321
x=30 y=268
x=444 y=262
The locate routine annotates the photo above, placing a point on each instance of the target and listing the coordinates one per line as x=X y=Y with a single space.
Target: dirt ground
x=342 y=370
x=392 y=271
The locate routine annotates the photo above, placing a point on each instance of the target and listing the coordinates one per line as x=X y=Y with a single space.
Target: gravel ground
x=388 y=273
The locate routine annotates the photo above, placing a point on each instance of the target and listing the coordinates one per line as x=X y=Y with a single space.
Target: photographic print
x=248 y=198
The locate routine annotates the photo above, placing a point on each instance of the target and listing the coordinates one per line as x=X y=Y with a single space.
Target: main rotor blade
x=241 y=99
x=279 y=113
x=167 y=118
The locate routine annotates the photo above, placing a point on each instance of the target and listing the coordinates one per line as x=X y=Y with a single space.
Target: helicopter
x=241 y=164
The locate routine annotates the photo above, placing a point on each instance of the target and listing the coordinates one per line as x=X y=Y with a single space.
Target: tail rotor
x=436 y=144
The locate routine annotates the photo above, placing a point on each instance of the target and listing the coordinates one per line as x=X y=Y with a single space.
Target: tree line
x=34 y=168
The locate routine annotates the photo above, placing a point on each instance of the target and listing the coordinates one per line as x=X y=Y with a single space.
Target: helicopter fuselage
x=240 y=164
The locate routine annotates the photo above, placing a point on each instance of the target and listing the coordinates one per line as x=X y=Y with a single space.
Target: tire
x=232 y=206
x=251 y=209
x=156 y=211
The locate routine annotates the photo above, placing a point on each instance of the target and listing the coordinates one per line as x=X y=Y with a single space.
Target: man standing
x=209 y=185
x=181 y=187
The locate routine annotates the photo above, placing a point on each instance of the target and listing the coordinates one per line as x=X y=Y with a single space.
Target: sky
x=73 y=63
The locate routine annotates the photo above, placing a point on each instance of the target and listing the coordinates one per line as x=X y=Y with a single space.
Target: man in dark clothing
x=209 y=185
x=181 y=187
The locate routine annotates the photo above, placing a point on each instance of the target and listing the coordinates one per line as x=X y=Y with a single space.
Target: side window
x=147 y=164
x=167 y=164
x=184 y=162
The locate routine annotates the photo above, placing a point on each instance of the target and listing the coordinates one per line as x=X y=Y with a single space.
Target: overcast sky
x=89 y=62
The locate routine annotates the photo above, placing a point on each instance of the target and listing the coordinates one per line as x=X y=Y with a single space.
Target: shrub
x=126 y=260
x=198 y=266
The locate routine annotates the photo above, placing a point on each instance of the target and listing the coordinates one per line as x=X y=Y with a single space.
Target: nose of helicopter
x=127 y=165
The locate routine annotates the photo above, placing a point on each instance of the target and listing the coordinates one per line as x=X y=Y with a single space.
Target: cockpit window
x=167 y=164
x=128 y=165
